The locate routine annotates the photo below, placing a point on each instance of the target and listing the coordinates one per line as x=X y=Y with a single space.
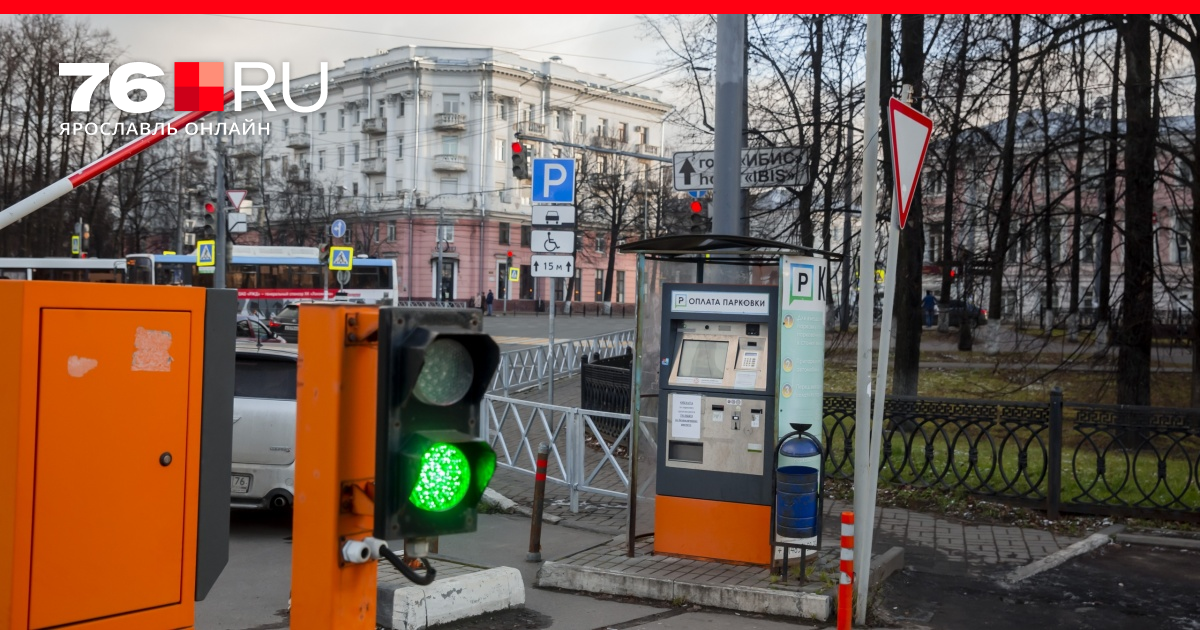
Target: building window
x=446 y=233
x=320 y=160
x=526 y=235
x=602 y=128
x=600 y=243
x=321 y=121
x=354 y=189
x=933 y=243
x=354 y=152
x=304 y=123
x=1183 y=248
x=399 y=147
x=581 y=125
x=505 y=229
x=643 y=134
x=559 y=121
x=623 y=132
x=375 y=233
x=449 y=187
x=599 y=285
x=503 y=107
x=391 y=233
x=380 y=148
x=341 y=156
x=382 y=108
x=450 y=145
x=620 y=288
x=341 y=119
x=498 y=148
x=450 y=103
x=357 y=115
x=379 y=190
x=286 y=123
x=400 y=109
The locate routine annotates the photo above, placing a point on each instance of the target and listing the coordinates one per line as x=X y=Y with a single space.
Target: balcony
x=450 y=162
x=606 y=142
x=374 y=166
x=646 y=149
x=297 y=174
x=447 y=121
x=374 y=126
x=299 y=140
x=531 y=128
x=245 y=150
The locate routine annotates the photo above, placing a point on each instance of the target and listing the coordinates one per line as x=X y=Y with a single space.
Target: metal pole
x=866 y=298
x=731 y=86
x=849 y=194
x=550 y=350
x=222 y=223
x=635 y=417
x=539 y=499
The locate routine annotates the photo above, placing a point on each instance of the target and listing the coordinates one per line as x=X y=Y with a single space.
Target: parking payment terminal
x=716 y=422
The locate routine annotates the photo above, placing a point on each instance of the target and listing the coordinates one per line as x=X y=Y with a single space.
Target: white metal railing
x=515 y=427
x=526 y=367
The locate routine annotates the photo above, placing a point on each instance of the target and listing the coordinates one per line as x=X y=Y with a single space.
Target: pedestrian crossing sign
x=205 y=253
x=514 y=274
x=341 y=258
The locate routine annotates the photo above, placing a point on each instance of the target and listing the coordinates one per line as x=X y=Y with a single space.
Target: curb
x=1158 y=541
x=885 y=564
x=451 y=599
x=505 y=504
x=739 y=598
x=1095 y=541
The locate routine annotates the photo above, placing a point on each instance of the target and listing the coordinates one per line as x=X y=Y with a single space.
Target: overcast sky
x=616 y=45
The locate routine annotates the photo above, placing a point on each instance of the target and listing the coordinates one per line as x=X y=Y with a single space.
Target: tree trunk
x=1195 y=235
x=1137 y=299
x=612 y=261
x=814 y=157
x=1104 y=308
x=1004 y=220
x=956 y=125
x=1077 y=209
x=912 y=237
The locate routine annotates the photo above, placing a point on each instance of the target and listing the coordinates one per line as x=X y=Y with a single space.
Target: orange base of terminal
x=712 y=530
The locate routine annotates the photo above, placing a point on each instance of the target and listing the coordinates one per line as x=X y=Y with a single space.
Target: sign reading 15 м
x=199 y=85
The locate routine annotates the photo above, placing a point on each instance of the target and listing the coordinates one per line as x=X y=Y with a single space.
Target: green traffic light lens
x=444 y=479
x=447 y=374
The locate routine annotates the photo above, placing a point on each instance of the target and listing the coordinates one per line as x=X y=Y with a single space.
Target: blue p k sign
x=553 y=180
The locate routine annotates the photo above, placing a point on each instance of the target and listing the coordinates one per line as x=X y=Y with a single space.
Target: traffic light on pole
x=323 y=253
x=431 y=468
x=699 y=222
x=520 y=161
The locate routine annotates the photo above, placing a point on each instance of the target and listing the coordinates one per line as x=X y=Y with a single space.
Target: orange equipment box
x=116 y=406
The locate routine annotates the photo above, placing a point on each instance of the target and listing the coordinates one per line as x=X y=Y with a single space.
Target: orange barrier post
x=333 y=574
x=845 y=604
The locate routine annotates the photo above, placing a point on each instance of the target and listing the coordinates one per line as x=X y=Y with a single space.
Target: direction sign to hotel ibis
x=761 y=168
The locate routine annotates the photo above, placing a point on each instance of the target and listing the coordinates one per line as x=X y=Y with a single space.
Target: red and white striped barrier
x=28 y=205
x=845 y=584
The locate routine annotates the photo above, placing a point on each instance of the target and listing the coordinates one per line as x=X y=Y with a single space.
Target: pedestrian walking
x=490 y=298
x=929 y=304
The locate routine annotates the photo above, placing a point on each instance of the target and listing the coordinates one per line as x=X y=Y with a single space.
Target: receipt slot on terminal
x=717 y=397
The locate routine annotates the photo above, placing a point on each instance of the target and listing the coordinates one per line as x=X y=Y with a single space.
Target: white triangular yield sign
x=236 y=197
x=910 y=139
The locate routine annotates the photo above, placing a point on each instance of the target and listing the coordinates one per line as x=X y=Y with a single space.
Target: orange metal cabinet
x=102 y=446
x=712 y=530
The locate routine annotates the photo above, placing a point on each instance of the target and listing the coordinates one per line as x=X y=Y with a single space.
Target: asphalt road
x=252 y=592
x=1116 y=587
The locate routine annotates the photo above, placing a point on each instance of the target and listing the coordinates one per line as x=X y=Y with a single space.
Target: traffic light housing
x=431 y=468
x=323 y=253
x=699 y=223
x=520 y=161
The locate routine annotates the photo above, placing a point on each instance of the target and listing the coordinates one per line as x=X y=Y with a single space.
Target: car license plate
x=240 y=483
x=291 y=328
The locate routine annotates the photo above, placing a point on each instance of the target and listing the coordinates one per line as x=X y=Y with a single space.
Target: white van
x=264 y=426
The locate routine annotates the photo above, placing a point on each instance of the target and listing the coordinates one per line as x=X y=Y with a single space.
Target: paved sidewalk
x=932 y=543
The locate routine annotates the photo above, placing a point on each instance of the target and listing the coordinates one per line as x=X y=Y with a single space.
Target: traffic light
x=520 y=161
x=431 y=468
x=323 y=253
x=699 y=222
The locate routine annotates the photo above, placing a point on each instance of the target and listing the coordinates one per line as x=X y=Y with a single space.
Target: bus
x=70 y=269
x=267 y=278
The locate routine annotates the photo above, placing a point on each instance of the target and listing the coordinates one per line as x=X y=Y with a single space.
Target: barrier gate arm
x=43 y=197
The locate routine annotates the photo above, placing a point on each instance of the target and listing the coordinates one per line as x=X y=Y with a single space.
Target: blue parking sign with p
x=553 y=180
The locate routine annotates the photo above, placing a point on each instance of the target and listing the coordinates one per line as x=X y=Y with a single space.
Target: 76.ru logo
x=199 y=85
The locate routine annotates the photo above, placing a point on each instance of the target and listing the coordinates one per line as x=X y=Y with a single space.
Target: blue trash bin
x=796 y=501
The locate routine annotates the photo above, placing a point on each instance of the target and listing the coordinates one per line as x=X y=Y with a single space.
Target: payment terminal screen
x=703 y=359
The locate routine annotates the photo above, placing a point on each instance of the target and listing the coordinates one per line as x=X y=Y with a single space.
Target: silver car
x=264 y=426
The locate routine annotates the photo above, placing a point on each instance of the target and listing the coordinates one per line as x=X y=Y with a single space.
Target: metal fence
x=1091 y=459
x=527 y=367
x=582 y=457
